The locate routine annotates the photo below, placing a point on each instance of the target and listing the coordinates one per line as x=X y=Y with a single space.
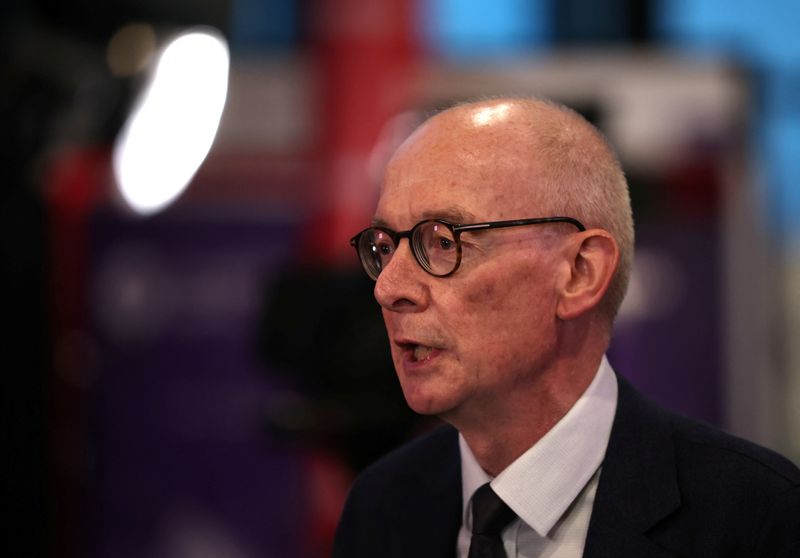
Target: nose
x=401 y=286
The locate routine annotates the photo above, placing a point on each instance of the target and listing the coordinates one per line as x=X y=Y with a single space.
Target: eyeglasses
x=436 y=244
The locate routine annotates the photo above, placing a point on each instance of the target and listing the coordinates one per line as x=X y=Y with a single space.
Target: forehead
x=464 y=173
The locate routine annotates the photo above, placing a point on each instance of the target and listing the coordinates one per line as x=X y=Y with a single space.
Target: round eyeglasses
x=435 y=243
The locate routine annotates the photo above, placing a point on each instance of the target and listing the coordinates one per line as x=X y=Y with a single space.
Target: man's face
x=464 y=344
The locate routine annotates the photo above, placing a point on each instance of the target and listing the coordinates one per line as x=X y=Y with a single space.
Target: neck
x=516 y=424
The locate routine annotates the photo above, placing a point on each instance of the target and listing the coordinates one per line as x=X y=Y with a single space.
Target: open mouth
x=415 y=352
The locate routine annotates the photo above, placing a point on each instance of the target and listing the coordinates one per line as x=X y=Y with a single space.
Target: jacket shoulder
x=694 y=489
x=744 y=492
x=730 y=458
x=702 y=448
x=413 y=489
x=413 y=459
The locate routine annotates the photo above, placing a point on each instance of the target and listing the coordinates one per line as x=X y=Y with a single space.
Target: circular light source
x=172 y=128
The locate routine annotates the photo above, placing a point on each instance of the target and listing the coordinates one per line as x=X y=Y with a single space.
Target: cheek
x=504 y=313
x=508 y=295
x=482 y=294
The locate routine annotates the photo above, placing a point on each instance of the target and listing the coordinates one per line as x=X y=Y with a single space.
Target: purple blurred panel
x=667 y=342
x=182 y=463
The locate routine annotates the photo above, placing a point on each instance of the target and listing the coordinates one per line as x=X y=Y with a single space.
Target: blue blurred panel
x=779 y=132
x=783 y=147
x=764 y=30
x=473 y=29
x=706 y=22
x=260 y=24
x=701 y=21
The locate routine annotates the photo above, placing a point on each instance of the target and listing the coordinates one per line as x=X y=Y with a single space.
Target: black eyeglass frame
x=456 y=230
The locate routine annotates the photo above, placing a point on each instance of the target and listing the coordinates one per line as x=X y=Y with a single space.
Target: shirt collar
x=542 y=483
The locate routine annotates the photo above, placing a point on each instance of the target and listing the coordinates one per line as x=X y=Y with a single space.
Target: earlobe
x=591 y=267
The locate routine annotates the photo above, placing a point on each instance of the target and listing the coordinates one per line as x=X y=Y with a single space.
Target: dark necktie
x=490 y=515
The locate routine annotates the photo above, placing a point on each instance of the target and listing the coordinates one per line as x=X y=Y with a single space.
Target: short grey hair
x=586 y=181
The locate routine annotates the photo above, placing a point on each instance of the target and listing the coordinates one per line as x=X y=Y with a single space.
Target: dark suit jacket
x=669 y=487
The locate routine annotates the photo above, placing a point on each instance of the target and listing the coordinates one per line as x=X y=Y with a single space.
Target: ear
x=592 y=261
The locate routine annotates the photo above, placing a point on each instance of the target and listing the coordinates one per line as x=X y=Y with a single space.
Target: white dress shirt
x=551 y=487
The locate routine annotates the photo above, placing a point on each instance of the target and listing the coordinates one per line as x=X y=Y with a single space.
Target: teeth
x=421 y=352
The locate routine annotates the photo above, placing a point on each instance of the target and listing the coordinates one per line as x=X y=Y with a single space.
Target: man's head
x=529 y=305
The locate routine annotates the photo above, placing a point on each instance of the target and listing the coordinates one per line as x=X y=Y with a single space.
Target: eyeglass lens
x=375 y=248
x=435 y=247
x=433 y=244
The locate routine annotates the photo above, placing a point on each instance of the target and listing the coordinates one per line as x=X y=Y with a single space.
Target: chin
x=426 y=408
x=425 y=402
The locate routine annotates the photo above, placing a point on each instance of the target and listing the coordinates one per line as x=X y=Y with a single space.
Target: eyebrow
x=454 y=214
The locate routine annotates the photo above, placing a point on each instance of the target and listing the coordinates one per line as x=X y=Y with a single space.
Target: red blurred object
x=366 y=57
x=76 y=185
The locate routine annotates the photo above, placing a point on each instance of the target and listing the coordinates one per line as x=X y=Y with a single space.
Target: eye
x=441 y=239
x=382 y=245
x=445 y=243
x=437 y=239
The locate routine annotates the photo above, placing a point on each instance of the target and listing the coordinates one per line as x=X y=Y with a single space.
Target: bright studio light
x=169 y=134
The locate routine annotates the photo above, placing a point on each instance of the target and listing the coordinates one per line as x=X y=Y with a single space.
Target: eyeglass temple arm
x=519 y=222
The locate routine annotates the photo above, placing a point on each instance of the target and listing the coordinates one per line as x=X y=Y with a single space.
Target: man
x=501 y=249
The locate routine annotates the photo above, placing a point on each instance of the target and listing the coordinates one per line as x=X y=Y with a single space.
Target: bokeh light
x=171 y=131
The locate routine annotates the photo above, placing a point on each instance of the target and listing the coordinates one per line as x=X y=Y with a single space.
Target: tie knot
x=490 y=514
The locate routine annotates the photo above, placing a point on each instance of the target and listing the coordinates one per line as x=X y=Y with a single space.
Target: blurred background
x=194 y=365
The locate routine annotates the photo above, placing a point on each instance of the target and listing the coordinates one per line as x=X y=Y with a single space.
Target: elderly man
x=501 y=249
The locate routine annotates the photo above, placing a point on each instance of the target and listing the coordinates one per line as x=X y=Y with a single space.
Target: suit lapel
x=638 y=485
